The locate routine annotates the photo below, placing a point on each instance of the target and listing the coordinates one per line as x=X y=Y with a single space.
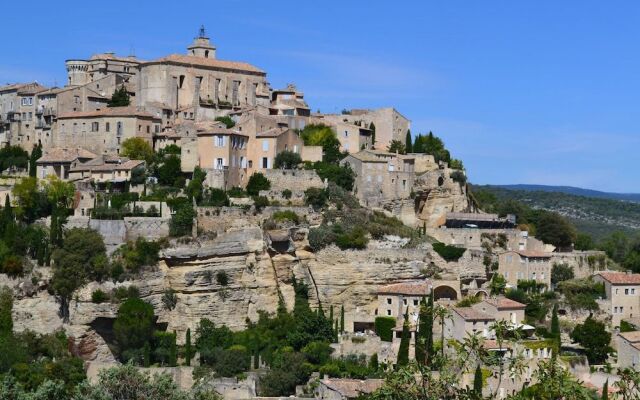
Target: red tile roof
x=620 y=278
x=422 y=288
x=207 y=62
x=470 y=314
x=632 y=337
x=505 y=304
x=129 y=111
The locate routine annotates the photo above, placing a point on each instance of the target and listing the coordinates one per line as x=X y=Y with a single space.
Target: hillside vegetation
x=596 y=216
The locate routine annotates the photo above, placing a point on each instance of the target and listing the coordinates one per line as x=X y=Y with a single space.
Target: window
x=265 y=162
x=148 y=128
x=615 y=310
x=295 y=148
x=404 y=302
x=415 y=302
x=509 y=258
x=633 y=291
x=389 y=312
x=626 y=291
x=389 y=300
x=265 y=145
x=219 y=141
x=219 y=163
x=119 y=128
x=346 y=133
x=107 y=126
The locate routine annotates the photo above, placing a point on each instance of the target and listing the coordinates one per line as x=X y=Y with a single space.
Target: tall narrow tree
x=408 y=142
x=187 y=348
x=555 y=327
x=341 y=318
x=372 y=127
x=403 y=350
x=477 y=382
x=421 y=334
x=429 y=329
x=605 y=390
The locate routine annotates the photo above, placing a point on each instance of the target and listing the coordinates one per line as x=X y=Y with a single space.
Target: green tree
x=36 y=153
x=561 y=272
x=593 y=336
x=498 y=284
x=120 y=98
x=187 y=348
x=133 y=328
x=227 y=121
x=181 y=222
x=169 y=172
x=605 y=390
x=342 y=318
x=6 y=305
x=555 y=327
x=287 y=160
x=322 y=135
x=341 y=175
x=408 y=142
x=477 y=381
x=257 y=182
x=554 y=229
x=137 y=148
x=403 y=350
x=81 y=257
x=396 y=146
x=424 y=335
x=372 y=128
x=31 y=202
x=584 y=241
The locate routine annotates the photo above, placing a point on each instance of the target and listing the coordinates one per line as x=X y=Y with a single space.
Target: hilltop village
x=182 y=217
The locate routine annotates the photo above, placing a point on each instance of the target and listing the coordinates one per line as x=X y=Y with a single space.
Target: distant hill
x=575 y=191
x=599 y=215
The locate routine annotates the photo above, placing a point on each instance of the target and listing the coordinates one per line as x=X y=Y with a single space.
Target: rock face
x=436 y=194
x=228 y=280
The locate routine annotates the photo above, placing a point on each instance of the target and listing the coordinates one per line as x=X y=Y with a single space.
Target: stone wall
x=294 y=180
x=150 y=228
x=223 y=219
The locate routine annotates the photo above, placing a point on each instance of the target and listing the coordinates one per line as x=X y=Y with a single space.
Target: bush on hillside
x=384 y=328
x=449 y=253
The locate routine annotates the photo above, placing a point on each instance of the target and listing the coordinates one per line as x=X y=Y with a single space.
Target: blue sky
x=524 y=92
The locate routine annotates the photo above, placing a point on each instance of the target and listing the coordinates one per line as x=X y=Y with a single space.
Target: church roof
x=194 y=61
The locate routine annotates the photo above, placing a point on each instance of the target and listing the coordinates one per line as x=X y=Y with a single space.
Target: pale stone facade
x=628 y=346
x=380 y=176
x=58 y=161
x=502 y=309
x=466 y=321
x=222 y=153
x=18 y=114
x=525 y=265
x=622 y=292
x=102 y=132
x=81 y=72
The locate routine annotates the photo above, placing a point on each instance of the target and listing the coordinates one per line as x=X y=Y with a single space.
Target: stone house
x=517 y=265
x=18 y=119
x=628 y=347
x=198 y=86
x=388 y=122
x=394 y=299
x=344 y=389
x=380 y=176
x=502 y=308
x=468 y=321
x=622 y=290
x=222 y=153
x=288 y=101
x=58 y=161
x=103 y=131
x=81 y=72
x=105 y=169
x=353 y=138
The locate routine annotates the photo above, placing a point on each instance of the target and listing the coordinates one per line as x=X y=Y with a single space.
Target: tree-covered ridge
x=596 y=216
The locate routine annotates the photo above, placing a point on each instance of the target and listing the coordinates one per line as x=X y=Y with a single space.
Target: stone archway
x=444 y=292
x=481 y=294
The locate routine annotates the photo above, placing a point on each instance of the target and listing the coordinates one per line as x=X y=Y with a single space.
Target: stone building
x=199 y=86
x=388 y=124
x=622 y=290
x=466 y=321
x=502 y=309
x=222 y=153
x=58 y=161
x=380 y=176
x=346 y=389
x=81 y=72
x=395 y=299
x=628 y=347
x=103 y=131
x=105 y=169
x=517 y=265
x=288 y=102
x=18 y=119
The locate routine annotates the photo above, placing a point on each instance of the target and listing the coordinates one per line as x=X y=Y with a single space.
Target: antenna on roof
x=132 y=51
x=202 y=34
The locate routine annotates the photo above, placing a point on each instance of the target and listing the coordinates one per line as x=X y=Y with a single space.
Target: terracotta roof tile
x=421 y=288
x=471 y=314
x=504 y=303
x=620 y=278
x=207 y=62
x=633 y=336
x=129 y=111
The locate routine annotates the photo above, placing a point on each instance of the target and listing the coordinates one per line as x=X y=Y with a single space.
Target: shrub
x=236 y=192
x=287 y=160
x=317 y=353
x=98 y=296
x=215 y=197
x=321 y=237
x=222 y=278
x=12 y=266
x=287 y=194
x=384 y=328
x=133 y=327
x=315 y=197
x=227 y=121
x=286 y=215
x=260 y=202
x=169 y=299
x=355 y=238
x=232 y=361
x=561 y=272
x=626 y=327
x=449 y=253
x=257 y=182
x=468 y=301
x=459 y=177
x=122 y=293
x=182 y=220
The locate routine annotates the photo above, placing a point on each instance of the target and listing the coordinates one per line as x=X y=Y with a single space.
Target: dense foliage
x=593 y=336
x=287 y=160
x=13 y=157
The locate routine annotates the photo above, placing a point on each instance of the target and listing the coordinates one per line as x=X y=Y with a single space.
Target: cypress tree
x=6 y=305
x=372 y=127
x=403 y=350
x=187 y=348
x=477 y=381
x=429 y=331
x=421 y=334
x=146 y=362
x=331 y=313
x=605 y=390
x=373 y=362
x=342 y=318
x=555 y=326
x=408 y=144
x=36 y=153
x=173 y=352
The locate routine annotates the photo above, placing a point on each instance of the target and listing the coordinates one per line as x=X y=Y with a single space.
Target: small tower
x=201 y=47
